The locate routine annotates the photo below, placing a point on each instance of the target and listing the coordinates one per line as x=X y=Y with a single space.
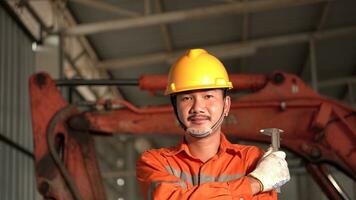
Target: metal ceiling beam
x=319 y=26
x=107 y=7
x=324 y=15
x=176 y=16
x=245 y=25
x=245 y=30
x=336 y=82
x=83 y=40
x=239 y=49
x=147 y=7
x=166 y=34
x=221 y=51
x=91 y=57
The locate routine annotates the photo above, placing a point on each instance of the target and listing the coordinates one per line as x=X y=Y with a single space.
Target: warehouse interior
x=123 y=40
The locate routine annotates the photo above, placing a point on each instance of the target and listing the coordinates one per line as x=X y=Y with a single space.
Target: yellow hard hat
x=195 y=70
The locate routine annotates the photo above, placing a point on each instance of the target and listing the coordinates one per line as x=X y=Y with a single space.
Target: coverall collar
x=225 y=146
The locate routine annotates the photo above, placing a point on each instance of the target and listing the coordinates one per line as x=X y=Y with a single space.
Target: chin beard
x=198 y=133
x=202 y=133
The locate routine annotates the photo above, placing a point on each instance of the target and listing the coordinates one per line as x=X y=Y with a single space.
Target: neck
x=204 y=148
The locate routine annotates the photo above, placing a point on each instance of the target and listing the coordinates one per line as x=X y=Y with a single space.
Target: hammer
x=275 y=133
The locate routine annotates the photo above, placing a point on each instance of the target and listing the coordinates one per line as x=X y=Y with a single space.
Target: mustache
x=192 y=117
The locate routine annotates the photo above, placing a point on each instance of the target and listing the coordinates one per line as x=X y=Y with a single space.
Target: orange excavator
x=319 y=130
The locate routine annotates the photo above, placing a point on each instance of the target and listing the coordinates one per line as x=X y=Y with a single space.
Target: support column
x=313 y=65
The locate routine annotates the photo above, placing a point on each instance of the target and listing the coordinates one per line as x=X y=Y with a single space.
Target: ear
x=227 y=102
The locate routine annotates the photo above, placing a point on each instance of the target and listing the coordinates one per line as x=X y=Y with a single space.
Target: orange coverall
x=173 y=173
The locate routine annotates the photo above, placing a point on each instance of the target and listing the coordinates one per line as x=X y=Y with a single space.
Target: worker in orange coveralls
x=205 y=165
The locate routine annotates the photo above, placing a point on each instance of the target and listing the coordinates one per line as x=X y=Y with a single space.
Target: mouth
x=198 y=119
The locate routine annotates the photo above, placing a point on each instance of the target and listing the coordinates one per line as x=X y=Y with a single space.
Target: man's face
x=201 y=109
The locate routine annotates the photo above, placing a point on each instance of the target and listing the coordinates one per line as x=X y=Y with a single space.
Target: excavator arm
x=319 y=130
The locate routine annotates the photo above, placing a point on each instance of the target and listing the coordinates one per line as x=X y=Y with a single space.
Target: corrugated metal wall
x=17 y=63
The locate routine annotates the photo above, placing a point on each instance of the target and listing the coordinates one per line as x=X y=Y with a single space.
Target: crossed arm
x=157 y=183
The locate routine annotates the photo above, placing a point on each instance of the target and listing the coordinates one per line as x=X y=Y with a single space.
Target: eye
x=209 y=96
x=186 y=98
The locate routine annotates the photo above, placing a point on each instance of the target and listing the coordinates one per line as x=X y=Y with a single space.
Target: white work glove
x=272 y=170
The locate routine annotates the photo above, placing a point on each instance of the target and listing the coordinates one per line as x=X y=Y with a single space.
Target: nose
x=197 y=106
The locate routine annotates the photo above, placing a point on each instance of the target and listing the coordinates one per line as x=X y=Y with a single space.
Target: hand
x=272 y=170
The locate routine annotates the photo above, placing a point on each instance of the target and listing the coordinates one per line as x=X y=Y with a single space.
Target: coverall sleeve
x=156 y=183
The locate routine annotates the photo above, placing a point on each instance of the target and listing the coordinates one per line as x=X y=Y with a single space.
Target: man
x=205 y=165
